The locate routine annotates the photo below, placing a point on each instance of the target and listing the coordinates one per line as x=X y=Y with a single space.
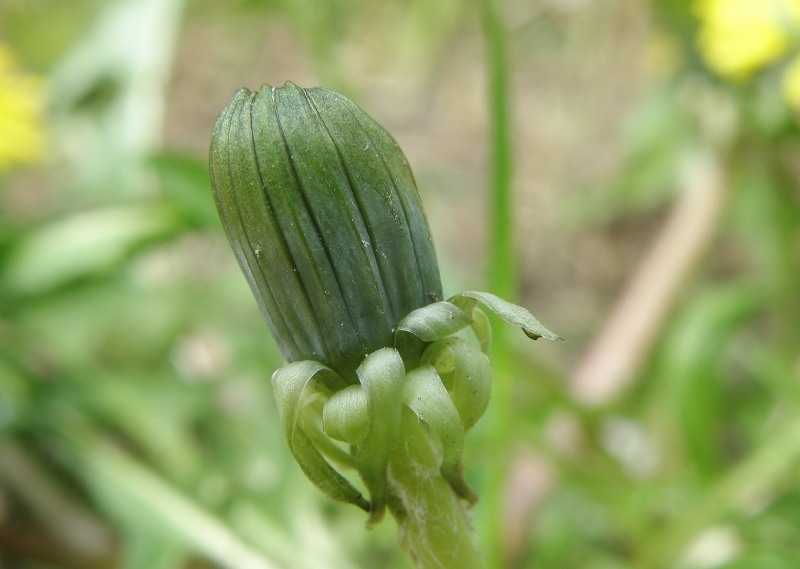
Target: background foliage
x=656 y=223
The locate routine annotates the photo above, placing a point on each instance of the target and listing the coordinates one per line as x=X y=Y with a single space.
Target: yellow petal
x=738 y=37
x=21 y=124
x=791 y=84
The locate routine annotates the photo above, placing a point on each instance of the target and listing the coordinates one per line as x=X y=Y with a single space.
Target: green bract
x=323 y=214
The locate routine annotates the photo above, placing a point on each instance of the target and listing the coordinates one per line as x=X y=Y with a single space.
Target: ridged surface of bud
x=323 y=214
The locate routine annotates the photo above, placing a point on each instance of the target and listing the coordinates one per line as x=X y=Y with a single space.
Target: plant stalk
x=433 y=526
x=502 y=278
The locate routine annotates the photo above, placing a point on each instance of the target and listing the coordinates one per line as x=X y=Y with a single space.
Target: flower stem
x=432 y=523
x=502 y=278
x=502 y=275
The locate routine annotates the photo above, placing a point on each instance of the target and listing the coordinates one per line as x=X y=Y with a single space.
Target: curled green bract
x=448 y=391
x=324 y=217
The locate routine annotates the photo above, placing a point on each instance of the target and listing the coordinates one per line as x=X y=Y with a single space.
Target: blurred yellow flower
x=739 y=37
x=791 y=83
x=21 y=105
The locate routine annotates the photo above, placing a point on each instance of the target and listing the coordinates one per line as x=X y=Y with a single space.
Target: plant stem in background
x=433 y=524
x=502 y=275
x=502 y=278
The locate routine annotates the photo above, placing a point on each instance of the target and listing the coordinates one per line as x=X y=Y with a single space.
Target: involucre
x=323 y=214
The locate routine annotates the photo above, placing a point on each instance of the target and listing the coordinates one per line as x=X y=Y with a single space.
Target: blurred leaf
x=656 y=137
x=695 y=360
x=766 y=557
x=81 y=244
x=146 y=547
x=569 y=532
x=184 y=181
x=14 y=394
x=29 y=27
x=138 y=498
x=766 y=212
x=157 y=414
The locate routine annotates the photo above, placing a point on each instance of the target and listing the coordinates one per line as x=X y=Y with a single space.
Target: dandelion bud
x=324 y=217
x=322 y=212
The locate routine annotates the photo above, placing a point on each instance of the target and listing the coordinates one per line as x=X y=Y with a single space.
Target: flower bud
x=323 y=214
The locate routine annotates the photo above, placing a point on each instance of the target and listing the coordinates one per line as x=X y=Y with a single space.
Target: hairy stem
x=432 y=523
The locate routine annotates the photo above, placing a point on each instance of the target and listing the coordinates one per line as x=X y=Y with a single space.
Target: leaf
x=346 y=415
x=482 y=328
x=140 y=499
x=434 y=321
x=466 y=373
x=425 y=395
x=509 y=312
x=428 y=324
x=82 y=245
x=381 y=374
x=292 y=384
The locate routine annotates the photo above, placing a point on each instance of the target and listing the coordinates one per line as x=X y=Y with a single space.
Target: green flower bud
x=323 y=214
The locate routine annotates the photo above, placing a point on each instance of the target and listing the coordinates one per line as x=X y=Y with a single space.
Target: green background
x=653 y=221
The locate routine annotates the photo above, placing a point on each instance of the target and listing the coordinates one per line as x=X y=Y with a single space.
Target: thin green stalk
x=432 y=523
x=502 y=276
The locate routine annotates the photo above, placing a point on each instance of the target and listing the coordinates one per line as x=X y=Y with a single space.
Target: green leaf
x=292 y=385
x=509 y=312
x=81 y=245
x=482 y=328
x=346 y=415
x=428 y=399
x=434 y=321
x=381 y=375
x=428 y=324
x=135 y=496
x=465 y=372
x=310 y=422
x=179 y=178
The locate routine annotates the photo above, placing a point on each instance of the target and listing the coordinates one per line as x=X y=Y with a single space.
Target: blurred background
x=656 y=224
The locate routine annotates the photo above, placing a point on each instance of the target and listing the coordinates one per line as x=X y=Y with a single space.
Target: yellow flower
x=21 y=103
x=738 y=37
x=791 y=83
